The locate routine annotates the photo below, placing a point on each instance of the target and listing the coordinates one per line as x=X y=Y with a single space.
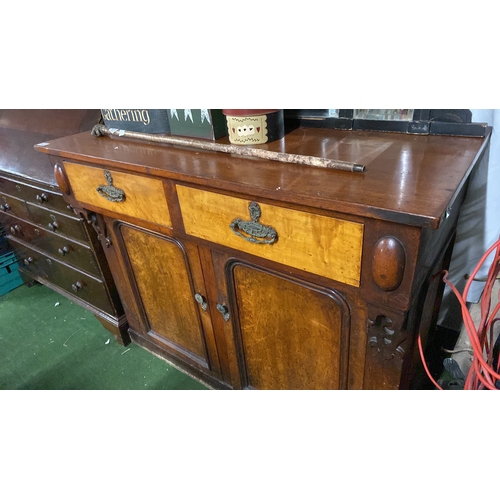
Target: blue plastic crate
x=9 y=274
x=4 y=246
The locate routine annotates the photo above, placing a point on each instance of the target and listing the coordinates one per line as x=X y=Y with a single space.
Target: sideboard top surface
x=21 y=129
x=409 y=179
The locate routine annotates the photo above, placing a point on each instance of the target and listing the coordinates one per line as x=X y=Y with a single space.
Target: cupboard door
x=160 y=273
x=288 y=334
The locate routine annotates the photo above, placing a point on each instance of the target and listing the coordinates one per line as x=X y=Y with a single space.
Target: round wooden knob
x=388 y=264
x=61 y=178
x=41 y=198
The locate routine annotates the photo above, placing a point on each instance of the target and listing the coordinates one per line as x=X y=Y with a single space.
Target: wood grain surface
x=290 y=334
x=144 y=198
x=409 y=179
x=21 y=129
x=325 y=246
x=160 y=273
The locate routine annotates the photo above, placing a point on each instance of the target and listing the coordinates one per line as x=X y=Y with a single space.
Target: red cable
x=481 y=374
x=478 y=336
x=419 y=341
x=470 y=327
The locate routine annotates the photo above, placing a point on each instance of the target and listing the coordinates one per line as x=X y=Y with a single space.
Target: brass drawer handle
x=110 y=192
x=258 y=233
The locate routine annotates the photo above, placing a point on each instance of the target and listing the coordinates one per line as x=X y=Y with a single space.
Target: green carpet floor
x=48 y=342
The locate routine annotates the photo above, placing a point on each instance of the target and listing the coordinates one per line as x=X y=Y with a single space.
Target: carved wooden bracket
x=385 y=339
x=100 y=229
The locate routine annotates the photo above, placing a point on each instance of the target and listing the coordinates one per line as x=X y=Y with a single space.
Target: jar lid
x=248 y=112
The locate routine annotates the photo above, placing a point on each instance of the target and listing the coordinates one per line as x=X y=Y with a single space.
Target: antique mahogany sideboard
x=54 y=245
x=249 y=273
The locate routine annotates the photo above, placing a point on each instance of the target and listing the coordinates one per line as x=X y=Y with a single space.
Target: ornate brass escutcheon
x=253 y=231
x=110 y=192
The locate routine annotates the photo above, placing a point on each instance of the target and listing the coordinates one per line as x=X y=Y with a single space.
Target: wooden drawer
x=69 y=251
x=78 y=284
x=144 y=198
x=72 y=227
x=48 y=199
x=325 y=246
x=13 y=206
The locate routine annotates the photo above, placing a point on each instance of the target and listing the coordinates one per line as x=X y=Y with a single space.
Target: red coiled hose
x=482 y=374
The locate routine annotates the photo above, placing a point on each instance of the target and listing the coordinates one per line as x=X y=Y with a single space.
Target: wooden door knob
x=224 y=311
x=201 y=300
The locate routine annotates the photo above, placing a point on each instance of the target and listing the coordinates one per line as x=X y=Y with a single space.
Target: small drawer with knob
x=72 y=252
x=44 y=267
x=57 y=223
x=39 y=195
x=12 y=206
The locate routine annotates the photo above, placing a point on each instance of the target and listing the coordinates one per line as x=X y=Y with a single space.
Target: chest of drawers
x=254 y=274
x=53 y=243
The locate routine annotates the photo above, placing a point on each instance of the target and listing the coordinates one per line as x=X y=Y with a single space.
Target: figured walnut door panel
x=289 y=334
x=160 y=271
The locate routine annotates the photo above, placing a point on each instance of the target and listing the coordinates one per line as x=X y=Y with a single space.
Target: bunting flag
x=173 y=112
x=205 y=115
x=187 y=113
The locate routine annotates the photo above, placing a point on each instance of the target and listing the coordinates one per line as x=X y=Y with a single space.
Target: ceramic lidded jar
x=254 y=126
